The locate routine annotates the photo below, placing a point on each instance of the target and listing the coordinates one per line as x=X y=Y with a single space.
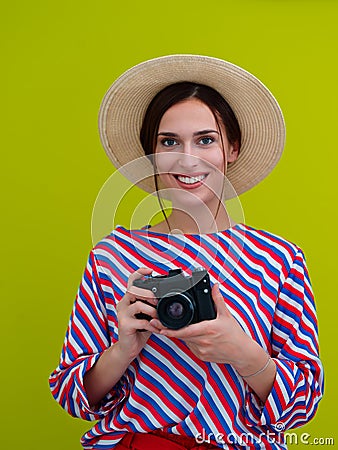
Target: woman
x=208 y=130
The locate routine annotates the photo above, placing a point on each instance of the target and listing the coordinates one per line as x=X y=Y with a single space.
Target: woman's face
x=189 y=153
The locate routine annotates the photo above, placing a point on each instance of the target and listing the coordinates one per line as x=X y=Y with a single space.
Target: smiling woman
x=197 y=125
x=245 y=366
x=196 y=163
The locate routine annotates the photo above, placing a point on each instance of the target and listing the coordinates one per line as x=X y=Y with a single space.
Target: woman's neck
x=195 y=222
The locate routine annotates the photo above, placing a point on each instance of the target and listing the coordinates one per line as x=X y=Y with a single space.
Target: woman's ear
x=233 y=152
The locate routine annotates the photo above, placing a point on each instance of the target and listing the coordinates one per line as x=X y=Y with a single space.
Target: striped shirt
x=265 y=285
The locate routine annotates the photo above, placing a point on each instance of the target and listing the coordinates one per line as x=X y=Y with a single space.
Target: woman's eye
x=168 y=142
x=206 y=140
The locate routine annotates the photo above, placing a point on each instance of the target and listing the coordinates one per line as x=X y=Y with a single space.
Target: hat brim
x=257 y=111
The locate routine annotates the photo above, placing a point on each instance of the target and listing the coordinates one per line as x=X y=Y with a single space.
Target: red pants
x=159 y=440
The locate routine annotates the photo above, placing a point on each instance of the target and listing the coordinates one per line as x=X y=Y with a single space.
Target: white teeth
x=191 y=180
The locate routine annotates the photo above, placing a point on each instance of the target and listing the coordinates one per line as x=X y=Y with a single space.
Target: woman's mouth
x=190 y=181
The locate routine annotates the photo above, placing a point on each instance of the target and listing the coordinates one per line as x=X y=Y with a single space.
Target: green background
x=58 y=59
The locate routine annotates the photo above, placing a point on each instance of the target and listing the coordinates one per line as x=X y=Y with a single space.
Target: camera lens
x=175 y=310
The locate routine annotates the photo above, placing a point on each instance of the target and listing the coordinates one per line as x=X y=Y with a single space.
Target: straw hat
x=257 y=111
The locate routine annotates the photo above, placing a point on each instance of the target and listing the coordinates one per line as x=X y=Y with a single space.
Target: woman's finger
x=142 y=294
x=140 y=307
x=139 y=273
x=219 y=302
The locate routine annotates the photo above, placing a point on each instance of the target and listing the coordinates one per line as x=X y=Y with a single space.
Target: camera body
x=181 y=300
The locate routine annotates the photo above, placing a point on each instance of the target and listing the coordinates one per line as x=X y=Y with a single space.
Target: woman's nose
x=187 y=157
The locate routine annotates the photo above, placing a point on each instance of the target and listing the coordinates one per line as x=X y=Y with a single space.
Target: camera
x=181 y=300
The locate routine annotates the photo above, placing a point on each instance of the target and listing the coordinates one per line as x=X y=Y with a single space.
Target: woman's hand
x=114 y=361
x=131 y=339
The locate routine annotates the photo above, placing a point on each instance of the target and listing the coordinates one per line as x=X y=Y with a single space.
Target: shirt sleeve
x=86 y=338
x=298 y=385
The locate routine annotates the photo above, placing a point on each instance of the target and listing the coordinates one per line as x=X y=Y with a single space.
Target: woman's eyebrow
x=167 y=133
x=197 y=133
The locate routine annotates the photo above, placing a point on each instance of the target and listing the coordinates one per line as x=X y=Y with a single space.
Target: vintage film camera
x=181 y=300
